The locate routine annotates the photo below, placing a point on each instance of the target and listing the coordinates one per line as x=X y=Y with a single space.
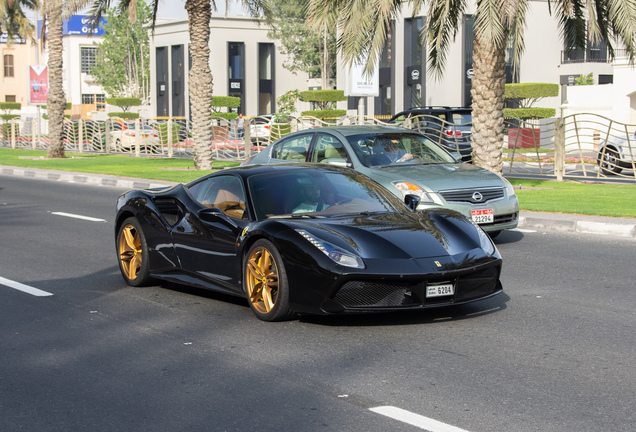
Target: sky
x=176 y=9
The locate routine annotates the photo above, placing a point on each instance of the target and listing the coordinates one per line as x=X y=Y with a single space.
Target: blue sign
x=16 y=39
x=80 y=25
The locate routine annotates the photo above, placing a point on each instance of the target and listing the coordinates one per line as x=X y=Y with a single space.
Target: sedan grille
x=473 y=196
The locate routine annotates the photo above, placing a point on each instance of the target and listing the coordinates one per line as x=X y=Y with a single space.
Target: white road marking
x=524 y=230
x=24 y=288
x=415 y=419
x=71 y=215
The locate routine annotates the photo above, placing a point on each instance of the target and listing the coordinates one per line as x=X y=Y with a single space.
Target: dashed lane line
x=24 y=288
x=75 y=216
x=416 y=420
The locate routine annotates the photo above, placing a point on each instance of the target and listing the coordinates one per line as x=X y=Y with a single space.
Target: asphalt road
x=555 y=352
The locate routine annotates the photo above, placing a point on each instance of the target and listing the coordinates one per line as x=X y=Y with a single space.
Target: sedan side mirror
x=412 y=201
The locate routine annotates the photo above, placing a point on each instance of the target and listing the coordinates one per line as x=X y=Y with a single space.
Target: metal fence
x=578 y=145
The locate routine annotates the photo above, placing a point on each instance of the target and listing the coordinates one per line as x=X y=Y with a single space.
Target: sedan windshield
x=384 y=149
x=318 y=193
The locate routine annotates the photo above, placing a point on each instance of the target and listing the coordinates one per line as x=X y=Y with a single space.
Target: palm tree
x=13 y=23
x=499 y=24
x=200 y=83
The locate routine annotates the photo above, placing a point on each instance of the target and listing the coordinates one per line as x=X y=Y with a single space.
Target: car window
x=328 y=149
x=389 y=148
x=460 y=118
x=292 y=148
x=223 y=192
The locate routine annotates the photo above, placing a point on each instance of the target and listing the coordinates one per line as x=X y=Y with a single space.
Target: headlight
x=509 y=189
x=409 y=188
x=485 y=241
x=336 y=254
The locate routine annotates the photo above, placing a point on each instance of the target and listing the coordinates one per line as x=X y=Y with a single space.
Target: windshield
x=398 y=148
x=318 y=192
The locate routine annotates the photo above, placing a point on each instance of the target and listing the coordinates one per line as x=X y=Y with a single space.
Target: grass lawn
x=616 y=200
x=177 y=170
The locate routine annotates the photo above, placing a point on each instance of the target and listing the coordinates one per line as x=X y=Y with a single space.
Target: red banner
x=38 y=84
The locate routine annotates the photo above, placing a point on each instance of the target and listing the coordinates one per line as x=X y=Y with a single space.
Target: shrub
x=530 y=113
x=226 y=102
x=325 y=99
x=124 y=115
x=325 y=114
x=124 y=103
x=227 y=116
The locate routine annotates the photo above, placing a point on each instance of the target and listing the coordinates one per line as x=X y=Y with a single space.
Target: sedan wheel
x=608 y=160
x=133 y=253
x=266 y=282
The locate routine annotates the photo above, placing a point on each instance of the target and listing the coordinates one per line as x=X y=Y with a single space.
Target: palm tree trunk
x=488 y=92
x=56 y=102
x=200 y=81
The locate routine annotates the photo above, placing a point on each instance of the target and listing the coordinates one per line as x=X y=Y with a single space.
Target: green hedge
x=163 y=132
x=226 y=101
x=10 y=105
x=124 y=115
x=325 y=114
x=123 y=102
x=8 y=117
x=322 y=96
x=226 y=116
x=6 y=131
x=531 y=90
x=530 y=113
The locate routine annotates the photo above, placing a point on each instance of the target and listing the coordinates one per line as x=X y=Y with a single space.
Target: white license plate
x=439 y=290
x=482 y=216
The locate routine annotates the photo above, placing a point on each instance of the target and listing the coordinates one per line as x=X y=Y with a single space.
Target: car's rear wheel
x=265 y=282
x=608 y=161
x=133 y=253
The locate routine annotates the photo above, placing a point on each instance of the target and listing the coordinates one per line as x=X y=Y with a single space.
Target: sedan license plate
x=439 y=290
x=482 y=216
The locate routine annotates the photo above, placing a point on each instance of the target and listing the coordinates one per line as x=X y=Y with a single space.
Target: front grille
x=373 y=294
x=472 y=195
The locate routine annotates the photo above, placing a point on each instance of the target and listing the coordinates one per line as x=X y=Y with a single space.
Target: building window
x=9 y=98
x=89 y=59
x=8 y=65
x=98 y=99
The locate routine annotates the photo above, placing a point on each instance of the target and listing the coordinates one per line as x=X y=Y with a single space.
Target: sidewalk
x=616 y=227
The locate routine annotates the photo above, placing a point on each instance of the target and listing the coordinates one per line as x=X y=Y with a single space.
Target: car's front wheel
x=265 y=282
x=608 y=161
x=133 y=253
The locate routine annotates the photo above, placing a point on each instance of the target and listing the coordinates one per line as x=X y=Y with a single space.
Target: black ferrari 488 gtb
x=304 y=239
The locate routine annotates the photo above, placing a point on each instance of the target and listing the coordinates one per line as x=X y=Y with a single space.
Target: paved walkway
x=528 y=220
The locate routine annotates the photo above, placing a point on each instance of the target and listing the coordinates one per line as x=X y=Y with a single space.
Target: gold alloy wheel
x=262 y=280
x=130 y=254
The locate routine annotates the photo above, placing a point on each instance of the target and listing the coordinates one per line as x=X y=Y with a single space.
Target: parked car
x=360 y=249
x=450 y=127
x=261 y=127
x=616 y=154
x=124 y=136
x=431 y=172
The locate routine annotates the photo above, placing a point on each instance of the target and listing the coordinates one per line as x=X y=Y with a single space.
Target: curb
x=82 y=178
x=578 y=223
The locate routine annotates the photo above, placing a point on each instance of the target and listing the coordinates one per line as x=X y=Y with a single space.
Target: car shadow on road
x=509 y=236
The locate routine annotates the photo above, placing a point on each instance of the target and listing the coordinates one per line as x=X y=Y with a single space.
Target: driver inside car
x=395 y=153
x=310 y=190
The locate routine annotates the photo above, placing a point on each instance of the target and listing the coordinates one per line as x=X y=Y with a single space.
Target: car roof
x=359 y=129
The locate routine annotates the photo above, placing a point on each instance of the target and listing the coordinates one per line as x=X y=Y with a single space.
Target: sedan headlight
x=336 y=254
x=510 y=190
x=408 y=188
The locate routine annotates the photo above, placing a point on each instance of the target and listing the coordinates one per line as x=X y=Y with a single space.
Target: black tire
x=132 y=253
x=608 y=161
x=263 y=268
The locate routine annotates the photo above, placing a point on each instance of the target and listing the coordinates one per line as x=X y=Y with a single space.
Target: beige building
x=14 y=81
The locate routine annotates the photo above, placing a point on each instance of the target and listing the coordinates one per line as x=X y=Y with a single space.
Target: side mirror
x=215 y=214
x=412 y=201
